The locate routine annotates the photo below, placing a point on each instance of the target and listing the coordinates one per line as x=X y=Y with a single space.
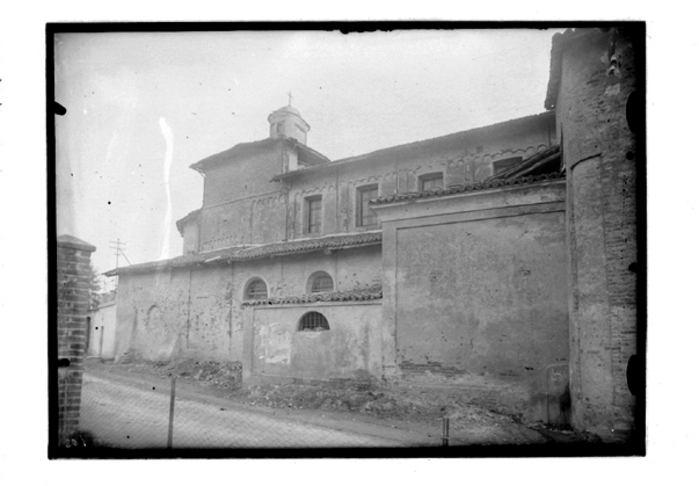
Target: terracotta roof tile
x=247 y=148
x=369 y=293
x=236 y=254
x=477 y=186
x=545 y=162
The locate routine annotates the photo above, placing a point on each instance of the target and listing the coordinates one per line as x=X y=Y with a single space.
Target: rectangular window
x=431 y=181
x=313 y=214
x=365 y=216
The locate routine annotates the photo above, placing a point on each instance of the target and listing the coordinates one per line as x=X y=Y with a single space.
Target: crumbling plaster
x=475 y=295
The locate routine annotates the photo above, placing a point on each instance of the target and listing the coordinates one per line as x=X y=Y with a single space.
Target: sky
x=143 y=107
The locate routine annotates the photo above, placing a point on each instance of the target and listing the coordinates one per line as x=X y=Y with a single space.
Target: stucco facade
x=475 y=295
x=487 y=262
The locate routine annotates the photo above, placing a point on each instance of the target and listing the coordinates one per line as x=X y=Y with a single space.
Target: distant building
x=494 y=261
x=101 y=329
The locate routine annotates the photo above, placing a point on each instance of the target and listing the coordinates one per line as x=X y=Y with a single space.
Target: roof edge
x=374 y=292
x=238 y=254
x=370 y=155
x=467 y=188
x=182 y=221
x=69 y=241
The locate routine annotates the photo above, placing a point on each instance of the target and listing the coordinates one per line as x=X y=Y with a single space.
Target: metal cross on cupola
x=290 y=97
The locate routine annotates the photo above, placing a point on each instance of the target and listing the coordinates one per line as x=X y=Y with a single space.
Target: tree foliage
x=95 y=288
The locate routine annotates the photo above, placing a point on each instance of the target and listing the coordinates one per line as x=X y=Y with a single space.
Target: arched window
x=319 y=282
x=313 y=321
x=256 y=289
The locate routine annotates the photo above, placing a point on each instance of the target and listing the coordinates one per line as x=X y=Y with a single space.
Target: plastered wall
x=478 y=299
x=178 y=313
x=102 y=341
x=164 y=315
x=242 y=205
x=350 y=349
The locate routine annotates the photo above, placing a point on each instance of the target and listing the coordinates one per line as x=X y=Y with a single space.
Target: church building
x=494 y=262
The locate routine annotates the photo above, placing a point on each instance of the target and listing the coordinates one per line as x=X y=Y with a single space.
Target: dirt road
x=135 y=415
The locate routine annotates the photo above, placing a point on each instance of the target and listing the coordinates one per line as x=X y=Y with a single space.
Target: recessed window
x=431 y=181
x=319 y=282
x=313 y=214
x=365 y=215
x=280 y=128
x=313 y=321
x=256 y=289
x=500 y=166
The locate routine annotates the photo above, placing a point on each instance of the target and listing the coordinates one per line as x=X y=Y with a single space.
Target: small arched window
x=319 y=282
x=256 y=289
x=313 y=321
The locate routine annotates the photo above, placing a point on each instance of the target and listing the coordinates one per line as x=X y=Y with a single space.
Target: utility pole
x=118 y=249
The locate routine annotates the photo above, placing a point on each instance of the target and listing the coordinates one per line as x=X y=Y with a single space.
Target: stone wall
x=601 y=156
x=73 y=282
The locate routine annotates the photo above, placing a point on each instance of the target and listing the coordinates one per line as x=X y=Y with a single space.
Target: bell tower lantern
x=287 y=122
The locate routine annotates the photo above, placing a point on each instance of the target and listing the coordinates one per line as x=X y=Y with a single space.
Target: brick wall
x=73 y=274
x=601 y=154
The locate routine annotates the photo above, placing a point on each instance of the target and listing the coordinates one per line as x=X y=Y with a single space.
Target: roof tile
x=476 y=186
x=236 y=254
x=369 y=293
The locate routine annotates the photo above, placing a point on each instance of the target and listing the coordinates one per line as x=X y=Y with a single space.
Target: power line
x=127 y=258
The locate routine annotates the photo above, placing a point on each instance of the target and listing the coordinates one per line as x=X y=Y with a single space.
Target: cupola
x=287 y=122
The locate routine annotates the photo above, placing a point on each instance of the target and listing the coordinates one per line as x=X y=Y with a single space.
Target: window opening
x=431 y=181
x=365 y=215
x=321 y=282
x=504 y=165
x=313 y=321
x=313 y=214
x=257 y=289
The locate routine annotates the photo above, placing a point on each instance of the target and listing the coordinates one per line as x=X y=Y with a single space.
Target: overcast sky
x=127 y=94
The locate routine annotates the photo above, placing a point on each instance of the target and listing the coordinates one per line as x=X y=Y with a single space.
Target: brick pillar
x=73 y=272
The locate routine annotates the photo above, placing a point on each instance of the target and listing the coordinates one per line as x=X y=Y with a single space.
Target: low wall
x=350 y=349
